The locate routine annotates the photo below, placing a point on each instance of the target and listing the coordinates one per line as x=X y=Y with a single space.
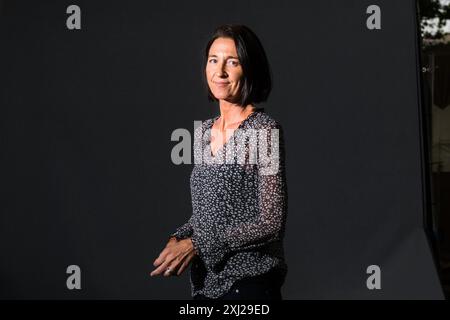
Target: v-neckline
x=231 y=137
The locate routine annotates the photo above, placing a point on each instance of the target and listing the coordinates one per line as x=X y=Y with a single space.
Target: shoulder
x=263 y=120
x=267 y=126
x=208 y=123
x=202 y=125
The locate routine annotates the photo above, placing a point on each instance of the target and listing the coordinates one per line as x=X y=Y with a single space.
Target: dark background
x=87 y=116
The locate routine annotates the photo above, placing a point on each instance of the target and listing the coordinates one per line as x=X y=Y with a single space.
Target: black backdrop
x=87 y=116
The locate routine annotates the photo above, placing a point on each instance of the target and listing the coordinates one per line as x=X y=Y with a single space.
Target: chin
x=221 y=96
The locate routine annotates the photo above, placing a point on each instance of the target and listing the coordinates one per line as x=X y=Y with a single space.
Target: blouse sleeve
x=269 y=225
x=184 y=231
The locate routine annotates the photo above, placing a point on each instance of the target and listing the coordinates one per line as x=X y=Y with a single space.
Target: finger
x=161 y=268
x=154 y=273
x=158 y=270
x=174 y=266
x=183 y=266
x=160 y=259
x=179 y=262
x=163 y=254
x=173 y=270
x=168 y=274
x=185 y=263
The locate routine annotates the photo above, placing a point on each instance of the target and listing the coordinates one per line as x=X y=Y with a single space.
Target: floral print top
x=239 y=205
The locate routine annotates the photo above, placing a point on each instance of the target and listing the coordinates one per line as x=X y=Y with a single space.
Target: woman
x=234 y=238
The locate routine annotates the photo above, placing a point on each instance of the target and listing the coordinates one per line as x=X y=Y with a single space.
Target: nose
x=221 y=72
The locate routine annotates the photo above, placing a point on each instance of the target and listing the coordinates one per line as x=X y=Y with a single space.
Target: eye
x=213 y=60
x=234 y=62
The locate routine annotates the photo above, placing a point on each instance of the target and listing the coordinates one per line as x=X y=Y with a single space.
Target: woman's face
x=223 y=69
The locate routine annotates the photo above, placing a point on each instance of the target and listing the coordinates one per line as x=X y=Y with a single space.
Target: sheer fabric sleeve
x=269 y=225
x=184 y=231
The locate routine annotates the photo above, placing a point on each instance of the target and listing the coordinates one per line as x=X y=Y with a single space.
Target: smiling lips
x=221 y=84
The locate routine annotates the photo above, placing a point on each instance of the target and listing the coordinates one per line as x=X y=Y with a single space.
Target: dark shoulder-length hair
x=257 y=77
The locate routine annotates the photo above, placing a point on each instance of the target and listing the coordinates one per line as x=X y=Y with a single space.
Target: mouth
x=221 y=84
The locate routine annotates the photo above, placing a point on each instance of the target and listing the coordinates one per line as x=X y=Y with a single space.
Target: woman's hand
x=176 y=255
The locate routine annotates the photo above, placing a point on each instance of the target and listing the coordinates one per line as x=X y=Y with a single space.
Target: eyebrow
x=213 y=55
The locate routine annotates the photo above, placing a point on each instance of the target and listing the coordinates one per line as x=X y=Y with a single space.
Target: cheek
x=237 y=76
x=237 y=81
x=208 y=71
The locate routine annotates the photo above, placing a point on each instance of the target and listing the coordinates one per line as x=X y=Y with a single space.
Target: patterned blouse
x=239 y=205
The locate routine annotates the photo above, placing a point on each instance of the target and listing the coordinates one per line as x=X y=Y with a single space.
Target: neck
x=231 y=113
